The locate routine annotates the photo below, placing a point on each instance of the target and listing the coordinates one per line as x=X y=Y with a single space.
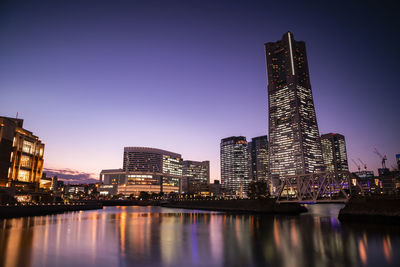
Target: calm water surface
x=155 y=236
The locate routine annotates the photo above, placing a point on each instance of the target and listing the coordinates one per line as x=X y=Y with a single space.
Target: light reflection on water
x=154 y=236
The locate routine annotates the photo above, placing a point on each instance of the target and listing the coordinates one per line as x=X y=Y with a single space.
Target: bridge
x=318 y=188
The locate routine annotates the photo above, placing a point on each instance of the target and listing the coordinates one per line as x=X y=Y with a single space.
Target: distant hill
x=71 y=176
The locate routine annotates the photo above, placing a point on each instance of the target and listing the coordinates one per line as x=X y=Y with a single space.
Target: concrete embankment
x=372 y=209
x=44 y=209
x=265 y=206
x=130 y=203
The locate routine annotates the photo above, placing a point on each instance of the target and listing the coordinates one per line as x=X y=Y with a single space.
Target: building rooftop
x=152 y=150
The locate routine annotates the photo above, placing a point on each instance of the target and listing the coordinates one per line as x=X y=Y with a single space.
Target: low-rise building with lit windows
x=21 y=156
x=108 y=190
x=113 y=177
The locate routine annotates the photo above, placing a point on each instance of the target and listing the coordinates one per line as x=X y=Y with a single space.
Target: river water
x=155 y=236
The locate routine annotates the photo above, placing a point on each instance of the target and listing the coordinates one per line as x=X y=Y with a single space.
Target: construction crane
x=383 y=158
x=365 y=165
x=358 y=166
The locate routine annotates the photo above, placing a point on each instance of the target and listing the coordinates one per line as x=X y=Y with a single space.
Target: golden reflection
x=16 y=243
x=216 y=237
x=276 y=234
x=365 y=240
x=58 y=234
x=237 y=231
x=122 y=225
x=362 y=251
x=293 y=231
x=45 y=237
x=94 y=235
x=251 y=223
x=387 y=248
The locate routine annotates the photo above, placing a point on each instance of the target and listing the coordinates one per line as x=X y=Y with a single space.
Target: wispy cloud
x=71 y=176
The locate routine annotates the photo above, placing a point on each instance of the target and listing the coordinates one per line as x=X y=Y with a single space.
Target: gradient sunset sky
x=90 y=77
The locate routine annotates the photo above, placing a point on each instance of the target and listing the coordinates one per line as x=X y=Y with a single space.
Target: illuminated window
x=27 y=147
x=24 y=176
x=26 y=161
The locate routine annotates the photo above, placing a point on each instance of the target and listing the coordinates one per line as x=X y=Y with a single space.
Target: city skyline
x=105 y=83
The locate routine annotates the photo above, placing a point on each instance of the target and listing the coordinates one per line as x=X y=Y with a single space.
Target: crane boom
x=358 y=166
x=383 y=158
x=364 y=164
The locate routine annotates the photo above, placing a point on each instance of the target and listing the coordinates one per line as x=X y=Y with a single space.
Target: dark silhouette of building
x=234 y=165
x=215 y=189
x=258 y=158
x=294 y=141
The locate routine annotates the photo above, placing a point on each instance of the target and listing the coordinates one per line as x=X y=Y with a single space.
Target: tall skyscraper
x=334 y=152
x=234 y=165
x=195 y=176
x=258 y=158
x=294 y=141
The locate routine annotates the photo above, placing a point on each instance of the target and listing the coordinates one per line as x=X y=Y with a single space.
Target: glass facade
x=334 y=152
x=234 y=165
x=294 y=141
x=258 y=158
x=146 y=169
x=196 y=176
x=172 y=165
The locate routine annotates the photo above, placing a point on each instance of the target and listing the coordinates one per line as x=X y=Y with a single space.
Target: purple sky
x=90 y=77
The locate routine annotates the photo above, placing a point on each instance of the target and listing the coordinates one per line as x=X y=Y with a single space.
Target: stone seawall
x=37 y=210
x=130 y=202
x=372 y=209
x=267 y=206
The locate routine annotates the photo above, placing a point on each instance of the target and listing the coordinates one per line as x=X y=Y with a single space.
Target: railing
x=318 y=187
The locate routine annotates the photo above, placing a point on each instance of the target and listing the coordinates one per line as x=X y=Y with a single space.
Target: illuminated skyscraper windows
x=294 y=141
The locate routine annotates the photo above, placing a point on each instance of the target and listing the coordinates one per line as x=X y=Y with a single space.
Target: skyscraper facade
x=294 y=141
x=258 y=158
x=195 y=176
x=234 y=165
x=334 y=152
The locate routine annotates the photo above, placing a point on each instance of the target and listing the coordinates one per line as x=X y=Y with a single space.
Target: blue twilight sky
x=90 y=77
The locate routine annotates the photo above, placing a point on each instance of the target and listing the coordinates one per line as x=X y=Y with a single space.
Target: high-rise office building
x=21 y=156
x=398 y=161
x=234 y=165
x=152 y=160
x=258 y=158
x=294 y=141
x=195 y=176
x=146 y=169
x=334 y=152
